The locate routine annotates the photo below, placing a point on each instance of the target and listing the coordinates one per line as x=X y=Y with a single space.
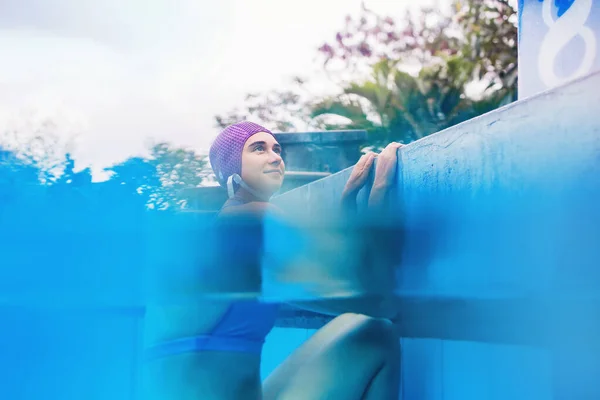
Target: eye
x=277 y=150
x=259 y=147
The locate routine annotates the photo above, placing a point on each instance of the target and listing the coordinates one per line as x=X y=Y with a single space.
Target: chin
x=273 y=189
x=272 y=185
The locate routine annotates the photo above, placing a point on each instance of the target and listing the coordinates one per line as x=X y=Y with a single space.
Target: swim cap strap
x=238 y=179
x=230 y=189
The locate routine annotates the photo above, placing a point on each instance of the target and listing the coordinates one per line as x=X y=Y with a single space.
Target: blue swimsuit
x=242 y=328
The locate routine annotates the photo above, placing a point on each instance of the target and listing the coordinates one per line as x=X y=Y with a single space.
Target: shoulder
x=252 y=209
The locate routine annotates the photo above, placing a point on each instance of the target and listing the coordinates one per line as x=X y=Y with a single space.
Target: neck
x=246 y=196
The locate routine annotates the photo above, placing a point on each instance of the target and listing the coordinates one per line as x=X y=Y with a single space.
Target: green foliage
x=278 y=110
x=490 y=29
x=36 y=157
x=164 y=176
x=159 y=180
x=416 y=39
x=478 y=44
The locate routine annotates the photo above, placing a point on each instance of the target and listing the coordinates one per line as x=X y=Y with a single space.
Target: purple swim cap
x=226 y=151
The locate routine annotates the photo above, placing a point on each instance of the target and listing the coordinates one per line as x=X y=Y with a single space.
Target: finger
x=368 y=162
x=394 y=145
x=363 y=159
x=391 y=149
x=363 y=164
x=371 y=155
x=388 y=151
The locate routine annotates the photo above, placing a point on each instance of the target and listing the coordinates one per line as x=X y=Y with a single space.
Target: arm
x=379 y=304
x=385 y=177
x=358 y=179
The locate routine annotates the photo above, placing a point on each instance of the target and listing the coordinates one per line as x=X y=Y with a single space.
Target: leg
x=352 y=357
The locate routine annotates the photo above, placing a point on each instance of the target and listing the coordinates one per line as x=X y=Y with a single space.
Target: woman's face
x=262 y=165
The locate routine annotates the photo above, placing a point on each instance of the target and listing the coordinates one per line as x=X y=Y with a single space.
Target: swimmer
x=212 y=350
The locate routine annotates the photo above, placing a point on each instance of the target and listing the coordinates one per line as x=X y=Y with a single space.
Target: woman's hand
x=385 y=174
x=358 y=178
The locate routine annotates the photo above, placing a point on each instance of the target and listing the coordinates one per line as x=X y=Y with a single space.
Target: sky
x=115 y=75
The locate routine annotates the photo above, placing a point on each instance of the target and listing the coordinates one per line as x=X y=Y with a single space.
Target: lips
x=274 y=171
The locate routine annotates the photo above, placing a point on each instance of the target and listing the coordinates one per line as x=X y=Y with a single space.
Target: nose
x=275 y=158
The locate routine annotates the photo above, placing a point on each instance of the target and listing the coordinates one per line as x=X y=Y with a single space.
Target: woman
x=213 y=350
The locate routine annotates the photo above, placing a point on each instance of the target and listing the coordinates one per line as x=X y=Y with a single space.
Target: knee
x=376 y=334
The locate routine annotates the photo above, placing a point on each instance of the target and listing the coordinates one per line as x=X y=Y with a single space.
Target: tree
x=372 y=37
x=479 y=43
x=450 y=52
x=396 y=106
x=41 y=139
x=483 y=32
x=162 y=177
x=278 y=110
x=70 y=177
x=15 y=171
x=491 y=40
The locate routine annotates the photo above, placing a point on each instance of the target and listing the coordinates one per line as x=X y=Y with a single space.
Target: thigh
x=339 y=361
